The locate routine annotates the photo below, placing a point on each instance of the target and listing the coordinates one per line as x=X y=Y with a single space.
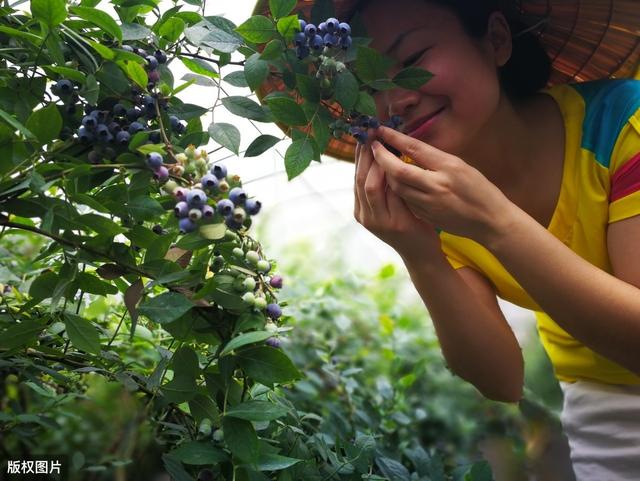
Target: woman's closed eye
x=414 y=58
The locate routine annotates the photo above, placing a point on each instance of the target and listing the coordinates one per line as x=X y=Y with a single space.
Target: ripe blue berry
x=115 y=127
x=133 y=113
x=174 y=121
x=181 y=209
x=152 y=62
x=274 y=311
x=84 y=135
x=225 y=207
x=252 y=206
x=231 y=223
x=89 y=122
x=331 y=40
x=154 y=159
x=119 y=110
x=149 y=102
x=102 y=131
x=237 y=196
x=135 y=127
x=64 y=86
x=276 y=281
x=154 y=76
x=127 y=48
x=302 y=52
x=396 y=120
x=303 y=24
x=123 y=137
x=316 y=43
x=310 y=30
x=196 y=198
x=161 y=57
x=344 y=29
x=322 y=28
x=332 y=24
x=300 y=39
x=219 y=170
x=374 y=123
x=155 y=137
x=208 y=211
x=346 y=42
x=186 y=225
x=209 y=181
x=273 y=342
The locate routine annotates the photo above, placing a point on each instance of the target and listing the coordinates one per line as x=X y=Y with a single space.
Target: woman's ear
x=499 y=37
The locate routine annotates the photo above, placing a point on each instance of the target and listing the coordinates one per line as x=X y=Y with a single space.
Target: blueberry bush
x=137 y=311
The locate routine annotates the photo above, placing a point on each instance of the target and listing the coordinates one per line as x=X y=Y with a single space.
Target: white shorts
x=602 y=424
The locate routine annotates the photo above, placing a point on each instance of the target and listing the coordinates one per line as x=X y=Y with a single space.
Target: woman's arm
x=596 y=308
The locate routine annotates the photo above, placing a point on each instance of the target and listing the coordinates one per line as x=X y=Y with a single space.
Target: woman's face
x=465 y=82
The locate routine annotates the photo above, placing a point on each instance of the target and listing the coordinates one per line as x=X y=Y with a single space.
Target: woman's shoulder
x=618 y=97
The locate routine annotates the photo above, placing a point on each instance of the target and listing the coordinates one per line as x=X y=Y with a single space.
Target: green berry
x=237 y=252
x=263 y=266
x=260 y=302
x=271 y=327
x=249 y=298
x=249 y=283
x=218 y=435
x=253 y=257
x=205 y=427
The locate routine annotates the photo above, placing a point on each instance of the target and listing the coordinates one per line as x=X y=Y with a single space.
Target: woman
x=535 y=193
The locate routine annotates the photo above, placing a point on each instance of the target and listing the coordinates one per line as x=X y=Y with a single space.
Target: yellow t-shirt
x=600 y=185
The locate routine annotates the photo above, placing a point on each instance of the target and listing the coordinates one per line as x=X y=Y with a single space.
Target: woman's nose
x=400 y=101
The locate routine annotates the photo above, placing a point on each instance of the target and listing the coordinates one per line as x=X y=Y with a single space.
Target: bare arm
x=476 y=339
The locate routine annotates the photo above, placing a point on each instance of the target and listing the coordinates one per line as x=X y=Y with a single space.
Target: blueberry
x=161 y=57
x=84 y=135
x=252 y=206
x=332 y=24
x=93 y=157
x=153 y=76
x=274 y=311
x=208 y=211
x=186 y=225
x=300 y=39
x=181 y=209
x=88 y=108
x=322 y=28
x=152 y=62
x=396 y=120
x=220 y=171
x=114 y=127
x=157 y=229
x=302 y=52
x=209 y=181
x=374 y=123
x=119 y=110
x=174 y=121
x=303 y=24
x=89 y=121
x=123 y=137
x=316 y=43
x=237 y=196
x=225 y=207
x=133 y=113
x=135 y=127
x=231 y=223
x=149 y=102
x=154 y=159
x=155 y=137
x=310 y=30
x=140 y=52
x=346 y=42
x=102 y=131
x=161 y=173
x=331 y=40
x=344 y=29
x=127 y=48
x=196 y=197
x=180 y=128
x=273 y=342
x=64 y=86
x=276 y=281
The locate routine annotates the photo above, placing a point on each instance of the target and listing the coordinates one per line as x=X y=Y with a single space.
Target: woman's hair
x=529 y=68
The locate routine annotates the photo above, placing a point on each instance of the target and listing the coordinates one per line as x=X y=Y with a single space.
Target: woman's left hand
x=442 y=188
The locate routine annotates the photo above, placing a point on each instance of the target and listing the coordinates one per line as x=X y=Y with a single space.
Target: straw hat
x=585 y=40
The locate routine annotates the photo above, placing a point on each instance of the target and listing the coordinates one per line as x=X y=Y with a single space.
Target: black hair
x=528 y=69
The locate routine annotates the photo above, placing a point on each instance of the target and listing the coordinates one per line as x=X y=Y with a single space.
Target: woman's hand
x=381 y=211
x=441 y=188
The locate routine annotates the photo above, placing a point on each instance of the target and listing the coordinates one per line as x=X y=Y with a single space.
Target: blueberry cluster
x=193 y=203
x=155 y=161
x=331 y=34
x=68 y=93
x=358 y=125
x=153 y=61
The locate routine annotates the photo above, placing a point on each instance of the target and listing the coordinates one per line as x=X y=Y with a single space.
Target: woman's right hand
x=385 y=214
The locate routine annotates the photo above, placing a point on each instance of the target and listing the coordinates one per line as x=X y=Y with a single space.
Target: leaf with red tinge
x=110 y=271
x=131 y=298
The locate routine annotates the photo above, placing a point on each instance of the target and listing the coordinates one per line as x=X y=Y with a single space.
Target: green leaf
x=322 y=9
x=134 y=31
x=199 y=66
x=260 y=145
x=371 y=65
x=288 y=26
x=202 y=407
x=185 y=367
x=175 y=468
x=244 y=339
x=256 y=410
x=93 y=285
x=45 y=123
x=275 y=462
x=226 y=135
x=287 y=111
x=209 y=35
x=199 y=453
x=187 y=111
x=105 y=52
x=21 y=334
x=241 y=438
x=29 y=37
x=65 y=72
x=43 y=285
x=309 y=87
x=82 y=333
x=255 y=71
x=257 y=29
x=112 y=78
x=298 y=157
x=137 y=73
x=412 y=78
x=273 y=50
x=16 y=125
x=91 y=90
x=281 y=8
x=247 y=108
x=51 y=12
x=346 y=89
x=100 y=224
x=392 y=469
x=172 y=29
x=366 y=105
x=237 y=79
x=100 y=19
x=166 y=307
x=267 y=365
x=144 y=208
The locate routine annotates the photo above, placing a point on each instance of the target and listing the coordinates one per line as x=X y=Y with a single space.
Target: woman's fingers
x=374 y=189
x=356 y=205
